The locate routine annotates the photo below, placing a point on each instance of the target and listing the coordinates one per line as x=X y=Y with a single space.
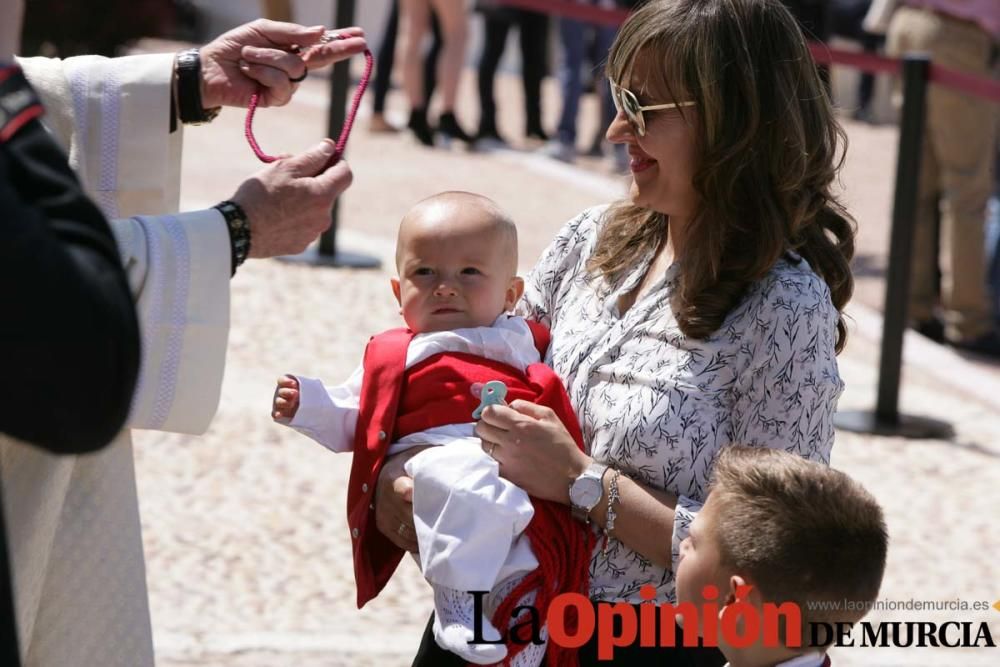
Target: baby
x=456 y=256
x=793 y=530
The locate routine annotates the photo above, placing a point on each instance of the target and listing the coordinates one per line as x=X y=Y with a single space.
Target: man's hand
x=237 y=63
x=288 y=202
x=286 y=399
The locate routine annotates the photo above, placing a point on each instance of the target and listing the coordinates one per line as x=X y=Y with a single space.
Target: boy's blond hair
x=799 y=531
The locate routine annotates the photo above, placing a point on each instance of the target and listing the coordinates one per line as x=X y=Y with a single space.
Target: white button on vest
x=381 y=435
x=354 y=532
x=364 y=488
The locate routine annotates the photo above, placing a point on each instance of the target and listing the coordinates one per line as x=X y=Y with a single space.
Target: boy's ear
x=514 y=292
x=395 y=290
x=735 y=583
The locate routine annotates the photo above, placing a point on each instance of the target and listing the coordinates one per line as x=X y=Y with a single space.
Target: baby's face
x=455 y=271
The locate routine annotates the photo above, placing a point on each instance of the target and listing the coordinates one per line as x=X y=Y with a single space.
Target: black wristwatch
x=238 y=226
x=187 y=69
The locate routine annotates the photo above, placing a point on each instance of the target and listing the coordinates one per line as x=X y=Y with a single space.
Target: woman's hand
x=533 y=448
x=394 y=501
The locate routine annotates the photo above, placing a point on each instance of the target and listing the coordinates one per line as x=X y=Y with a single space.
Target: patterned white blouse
x=659 y=405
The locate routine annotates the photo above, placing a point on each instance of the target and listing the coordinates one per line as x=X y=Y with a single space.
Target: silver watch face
x=586 y=491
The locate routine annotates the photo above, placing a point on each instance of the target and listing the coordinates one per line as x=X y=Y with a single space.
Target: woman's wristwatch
x=586 y=491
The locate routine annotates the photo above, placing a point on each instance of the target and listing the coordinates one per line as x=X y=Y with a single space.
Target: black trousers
x=431 y=655
x=386 y=58
x=533 y=37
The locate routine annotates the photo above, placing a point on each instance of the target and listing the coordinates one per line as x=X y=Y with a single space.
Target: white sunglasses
x=627 y=102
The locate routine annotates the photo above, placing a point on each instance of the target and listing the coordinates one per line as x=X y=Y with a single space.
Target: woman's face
x=663 y=161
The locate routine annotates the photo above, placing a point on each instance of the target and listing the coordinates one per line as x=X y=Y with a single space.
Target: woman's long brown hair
x=769 y=149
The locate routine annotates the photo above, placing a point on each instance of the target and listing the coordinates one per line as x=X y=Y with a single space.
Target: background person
x=73 y=522
x=703 y=310
x=533 y=39
x=453 y=16
x=795 y=531
x=68 y=318
x=955 y=172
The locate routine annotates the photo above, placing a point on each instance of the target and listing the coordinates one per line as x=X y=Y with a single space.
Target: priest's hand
x=268 y=54
x=288 y=202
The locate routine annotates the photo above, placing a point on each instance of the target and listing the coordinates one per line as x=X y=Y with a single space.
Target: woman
x=704 y=310
x=453 y=18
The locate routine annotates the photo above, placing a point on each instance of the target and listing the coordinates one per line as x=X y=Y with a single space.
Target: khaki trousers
x=955 y=177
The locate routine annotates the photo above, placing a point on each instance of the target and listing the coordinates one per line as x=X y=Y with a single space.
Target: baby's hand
x=286 y=399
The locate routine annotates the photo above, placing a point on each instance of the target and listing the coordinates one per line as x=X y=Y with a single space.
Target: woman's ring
x=492 y=447
x=301 y=78
x=402 y=530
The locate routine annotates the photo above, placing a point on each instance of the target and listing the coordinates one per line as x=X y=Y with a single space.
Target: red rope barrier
x=866 y=62
x=977 y=86
x=970 y=84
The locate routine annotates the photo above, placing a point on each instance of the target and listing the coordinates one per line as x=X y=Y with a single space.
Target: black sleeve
x=69 y=340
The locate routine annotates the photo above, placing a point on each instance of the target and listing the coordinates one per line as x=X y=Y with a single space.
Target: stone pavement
x=249 y=560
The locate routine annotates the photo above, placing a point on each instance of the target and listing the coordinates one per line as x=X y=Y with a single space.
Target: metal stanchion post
x=886 y=420
x=327 y=254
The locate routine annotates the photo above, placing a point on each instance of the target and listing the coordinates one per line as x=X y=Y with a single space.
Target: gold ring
x=492 y=447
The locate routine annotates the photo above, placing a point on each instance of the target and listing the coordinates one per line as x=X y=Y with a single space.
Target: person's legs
x=386 y=59
x=962 y=132
x=494 y=41
x=533 y=37
x=604 y=37
x=467 y=518
x=573 y=49
x=454 y=20
x=431 y=59
x=416 y=20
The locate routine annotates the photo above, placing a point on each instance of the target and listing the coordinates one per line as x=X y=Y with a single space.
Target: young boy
x=795 y=531
x=456 y=256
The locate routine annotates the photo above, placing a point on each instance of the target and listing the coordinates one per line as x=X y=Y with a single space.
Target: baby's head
x=795 y=530
x=456 y=255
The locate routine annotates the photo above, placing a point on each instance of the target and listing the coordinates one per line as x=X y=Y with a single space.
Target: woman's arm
x=536 y=452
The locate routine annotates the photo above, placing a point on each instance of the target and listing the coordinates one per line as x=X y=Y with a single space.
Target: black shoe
x=449 y=127
x=987 y=344
x=420 y=128
x=932 y=328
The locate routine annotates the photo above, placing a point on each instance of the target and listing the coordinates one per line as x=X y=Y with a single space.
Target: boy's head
x=795 y=530
x=456 y=255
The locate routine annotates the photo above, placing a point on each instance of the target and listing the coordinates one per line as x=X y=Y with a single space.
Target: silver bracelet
x=613 y=497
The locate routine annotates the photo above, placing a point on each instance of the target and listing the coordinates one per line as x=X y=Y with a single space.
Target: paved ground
x=248 y=553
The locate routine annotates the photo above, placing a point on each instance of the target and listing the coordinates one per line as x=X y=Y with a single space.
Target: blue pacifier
x=493 y=393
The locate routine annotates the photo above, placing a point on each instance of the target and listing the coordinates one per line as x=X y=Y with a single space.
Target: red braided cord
x=345 y=132
x=563 y=548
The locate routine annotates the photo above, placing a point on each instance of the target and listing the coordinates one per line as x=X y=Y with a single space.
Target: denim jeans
x=574 y=39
